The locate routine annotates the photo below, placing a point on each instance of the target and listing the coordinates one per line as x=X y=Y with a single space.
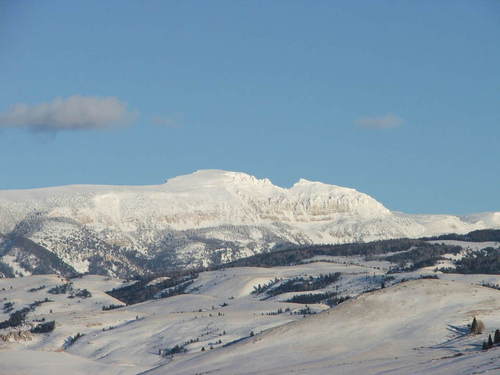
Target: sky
x=397 y=99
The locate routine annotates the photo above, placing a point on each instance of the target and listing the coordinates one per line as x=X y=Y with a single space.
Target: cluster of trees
x=328 y=298
x=175 y=290
x=8 y=307
x=305 y=311
x=37 y=303
x=311 y=297
x=61 y=289
x=18 y=317
x=485 y=261
x=44 y=327
x=477 y=327
x=15 y=319
x=435 y=277
x=335 y=300
x=110 y=307
x=492 y=342
x=6 y=270
x=419 y=252
x=296 y=254
x=170 y=351
x=277 y=312
x=68 y=288
x=482 y=235
x=258 y=289
x=142 y=290
x=300 y=284
x=411 y=254
x=72 y=339
x=422 y=256
x=81 y=293
x=491 y=285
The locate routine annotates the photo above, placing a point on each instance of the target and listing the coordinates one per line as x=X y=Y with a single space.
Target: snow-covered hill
x=222 y=324
x=207 y=217
x=377 y=333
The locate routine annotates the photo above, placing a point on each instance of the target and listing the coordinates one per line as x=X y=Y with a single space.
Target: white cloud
x=387 y=121
x=73 y=113
x=168 y=122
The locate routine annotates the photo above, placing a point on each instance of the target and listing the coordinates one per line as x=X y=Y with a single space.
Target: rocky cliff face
x=206 y=217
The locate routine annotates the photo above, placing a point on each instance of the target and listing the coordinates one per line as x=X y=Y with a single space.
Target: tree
x=490 y=342
x=473 y=326
x=496 y=340
x=477 y=326
x=44 y=327
x=485 y=345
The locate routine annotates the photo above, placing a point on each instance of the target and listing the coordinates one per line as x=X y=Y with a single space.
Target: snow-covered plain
x=413 y=327
x=206 y=217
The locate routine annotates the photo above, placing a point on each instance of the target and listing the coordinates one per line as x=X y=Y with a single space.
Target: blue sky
x=398 y=99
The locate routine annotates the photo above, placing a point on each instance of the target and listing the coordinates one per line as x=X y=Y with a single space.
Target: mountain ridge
x=203 y=218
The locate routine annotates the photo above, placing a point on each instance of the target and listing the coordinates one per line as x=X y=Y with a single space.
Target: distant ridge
x=207 y=217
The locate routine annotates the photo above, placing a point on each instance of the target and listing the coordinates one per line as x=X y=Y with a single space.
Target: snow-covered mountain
x=207 y=217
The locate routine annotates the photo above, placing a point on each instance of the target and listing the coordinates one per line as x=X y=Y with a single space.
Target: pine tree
x=477 y=326
x=490 y=342
x=496 y=340
x=485 y=345
x=473 y=326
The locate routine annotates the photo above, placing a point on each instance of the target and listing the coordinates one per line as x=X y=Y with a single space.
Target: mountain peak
x=304 y=184
x=214 y=178
x=303 y=181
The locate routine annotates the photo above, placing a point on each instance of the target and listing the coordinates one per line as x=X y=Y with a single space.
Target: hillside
x=379 y=332
x=356 y=308
x=240 y=321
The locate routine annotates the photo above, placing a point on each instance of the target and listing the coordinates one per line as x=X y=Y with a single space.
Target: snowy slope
x=207 y=217
x=24 y=362
x=415 y=327
x=377 y=333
